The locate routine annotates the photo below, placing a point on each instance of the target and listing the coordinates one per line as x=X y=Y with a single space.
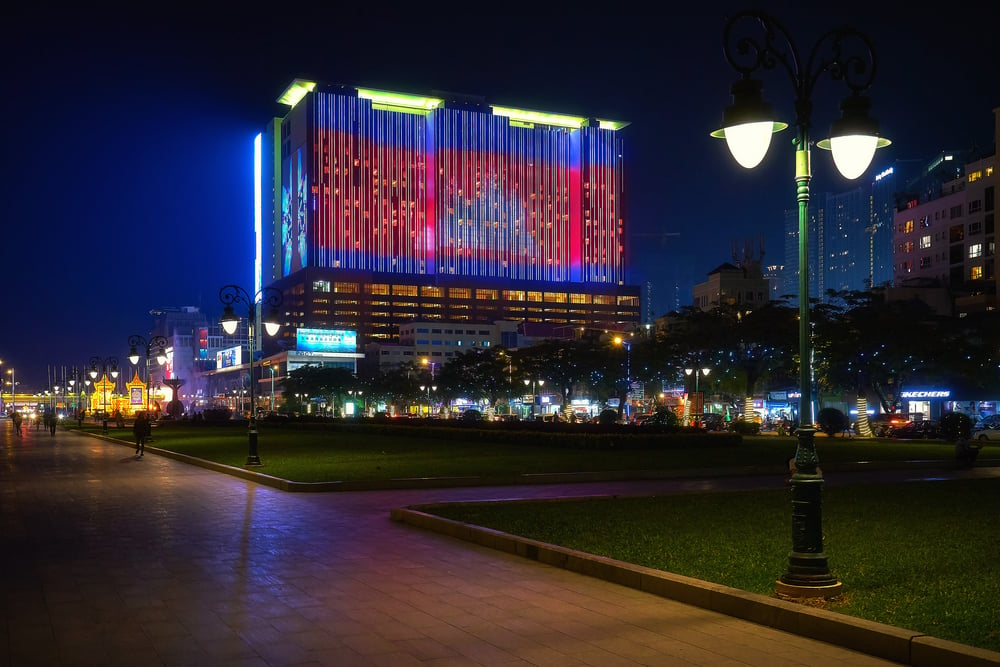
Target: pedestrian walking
x=17 y=422
x=52 y=423
x=141 y=429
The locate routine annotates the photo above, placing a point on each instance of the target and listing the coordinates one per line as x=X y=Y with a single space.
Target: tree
x=330 y=383
x=865 y=344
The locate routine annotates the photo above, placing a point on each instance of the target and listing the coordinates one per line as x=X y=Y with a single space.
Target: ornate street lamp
x=698 y=372
x=234 y=294
x=108 y=365
x=533 y=383
x=13 y=391
x=157 y=343
x=848 y=56
x=628 y=372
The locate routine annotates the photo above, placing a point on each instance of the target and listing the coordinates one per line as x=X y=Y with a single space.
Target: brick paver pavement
x=109 y=560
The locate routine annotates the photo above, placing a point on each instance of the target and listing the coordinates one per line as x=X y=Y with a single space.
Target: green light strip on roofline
x=539 y=117
x=611 y=124
x=296 y=90
x=387 y=99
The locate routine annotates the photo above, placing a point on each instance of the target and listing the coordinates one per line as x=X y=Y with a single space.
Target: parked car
x=987 y=429
x=882 y=424
x=986 y=434
x=925 y=428
x=710 y=421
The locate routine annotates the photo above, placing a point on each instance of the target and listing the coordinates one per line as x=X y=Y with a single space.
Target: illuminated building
x=376 y=208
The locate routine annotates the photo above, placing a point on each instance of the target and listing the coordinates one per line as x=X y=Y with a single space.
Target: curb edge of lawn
x=906 y=647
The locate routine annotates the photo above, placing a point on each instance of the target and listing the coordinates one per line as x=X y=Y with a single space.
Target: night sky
x=127 y=138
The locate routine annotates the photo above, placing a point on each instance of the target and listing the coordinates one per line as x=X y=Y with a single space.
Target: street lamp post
x=13 y=391
x=234 y=294
x=429 y=389
x=271 y=368
x=158 y=343
x=698 y=372
x=628 y=371
x=540 y=383
x=848 y=56
x=107 y=365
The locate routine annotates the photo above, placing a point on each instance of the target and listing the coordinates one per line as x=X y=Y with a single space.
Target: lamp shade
x=133 y=355
x=229 y=321
x=272 y=323
x=854 y=138
x=748 y=124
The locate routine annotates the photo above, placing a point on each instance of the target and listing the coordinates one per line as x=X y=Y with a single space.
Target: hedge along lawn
x=321 y=453
x=920 y=555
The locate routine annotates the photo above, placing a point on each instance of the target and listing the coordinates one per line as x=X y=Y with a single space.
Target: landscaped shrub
x=607 y=416
x=832 y=421
x=744 y=427
x=956 y=426
x=217 y=414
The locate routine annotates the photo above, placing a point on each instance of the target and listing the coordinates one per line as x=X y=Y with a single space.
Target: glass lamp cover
x=271 y=328
x=749 y=142
x=229 y=326
x=852 y=154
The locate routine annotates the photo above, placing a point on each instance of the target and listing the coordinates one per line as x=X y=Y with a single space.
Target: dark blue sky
x=126 y=180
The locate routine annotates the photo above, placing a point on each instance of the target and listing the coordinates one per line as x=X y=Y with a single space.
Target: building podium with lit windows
x=376 y=208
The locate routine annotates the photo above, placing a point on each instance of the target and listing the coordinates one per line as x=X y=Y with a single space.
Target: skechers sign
x=925 y=394
x=326 y=340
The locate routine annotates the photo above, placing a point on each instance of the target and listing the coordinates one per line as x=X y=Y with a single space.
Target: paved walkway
x=109 y=560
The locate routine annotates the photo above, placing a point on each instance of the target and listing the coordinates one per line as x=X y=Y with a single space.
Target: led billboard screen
x=232 y=356
x=326 y=340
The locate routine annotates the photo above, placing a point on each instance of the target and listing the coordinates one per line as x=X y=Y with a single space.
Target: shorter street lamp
x=628 y=370
x=233 y=294
x=427 y=362
x=158 y=343
x=271 y=368
x=107 y=365
x=533 y=383
x=698 y=372
x=357 y=394
x=429 y=389
x=13 y=391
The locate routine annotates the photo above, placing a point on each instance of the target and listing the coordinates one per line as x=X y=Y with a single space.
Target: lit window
x=976 y=273
x=975 y=250
x=925 y=241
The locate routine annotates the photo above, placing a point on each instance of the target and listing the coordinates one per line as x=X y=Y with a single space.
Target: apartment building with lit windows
x=950 y=240
x=375 y=209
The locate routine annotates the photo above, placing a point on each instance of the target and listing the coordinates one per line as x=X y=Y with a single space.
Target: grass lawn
x=921 y=555
x=334 y=454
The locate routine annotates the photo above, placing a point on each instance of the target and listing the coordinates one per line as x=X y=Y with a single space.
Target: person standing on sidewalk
x=17 y=422
x=141 y=429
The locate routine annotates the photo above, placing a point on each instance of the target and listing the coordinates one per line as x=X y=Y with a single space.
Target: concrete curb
x=877 y=639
